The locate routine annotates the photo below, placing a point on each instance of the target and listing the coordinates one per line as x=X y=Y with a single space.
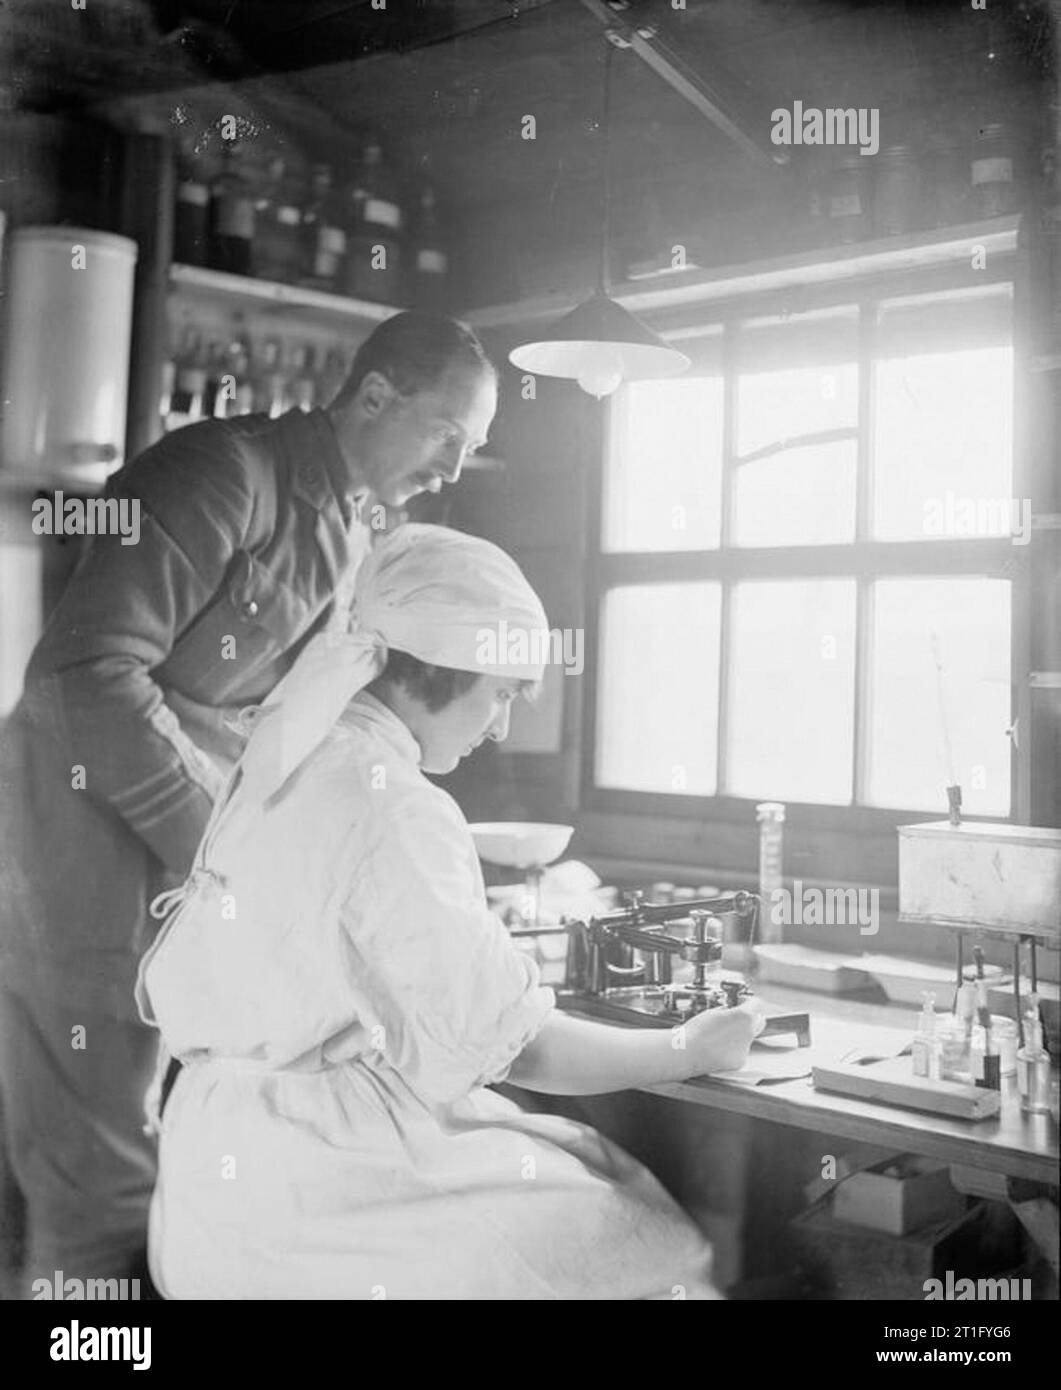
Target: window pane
x=943 y=455
x=798 y=497
x=791 y=690
x=664 y=468
x=908 y=767
x=657 y=706
x=796 y=493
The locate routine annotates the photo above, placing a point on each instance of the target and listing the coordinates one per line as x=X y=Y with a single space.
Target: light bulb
x=597 y=381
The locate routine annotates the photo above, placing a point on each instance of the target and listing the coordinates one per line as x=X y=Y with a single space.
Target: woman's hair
x=413 y=351
x=434 y=686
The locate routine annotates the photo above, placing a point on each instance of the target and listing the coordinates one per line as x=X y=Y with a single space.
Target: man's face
x=480 y=713
x=410 y=444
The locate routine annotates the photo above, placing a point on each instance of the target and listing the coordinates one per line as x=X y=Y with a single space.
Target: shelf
x=245 y=292
x=19 y=481
x=652 y=297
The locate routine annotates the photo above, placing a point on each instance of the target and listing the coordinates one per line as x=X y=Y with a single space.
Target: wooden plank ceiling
x=447 y=83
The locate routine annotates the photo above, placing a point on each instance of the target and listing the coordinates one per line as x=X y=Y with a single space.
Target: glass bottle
x=191 y=219
x=186 y=401
x=846 y=202
x=303 y=387
x=927 y=1051
x=231 y=214
x=991 y=173
x=897 y=197
x=214 y=364
x=373 y=248
x=948 y=181
x=322 y=232
x=277 y=232
x=1033 y=1065
x=268 y=379
x=430 y=262
x=771 y=818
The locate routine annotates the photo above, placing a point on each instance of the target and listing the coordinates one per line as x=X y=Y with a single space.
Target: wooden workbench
x=1012 y=1144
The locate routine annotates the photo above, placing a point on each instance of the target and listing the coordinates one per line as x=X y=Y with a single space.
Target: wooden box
x=846 y=1262
x=898 y=1196
x=1000 y=877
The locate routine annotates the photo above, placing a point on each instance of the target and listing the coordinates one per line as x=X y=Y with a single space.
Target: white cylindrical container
x=771 y=818
x=67 y=331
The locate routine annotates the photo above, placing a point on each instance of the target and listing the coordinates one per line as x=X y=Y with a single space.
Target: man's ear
x=374 y=394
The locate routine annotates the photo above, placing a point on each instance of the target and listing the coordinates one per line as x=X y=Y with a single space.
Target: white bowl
x=516 y=844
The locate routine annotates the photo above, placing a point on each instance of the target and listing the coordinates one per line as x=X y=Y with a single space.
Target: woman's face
x=480 y=713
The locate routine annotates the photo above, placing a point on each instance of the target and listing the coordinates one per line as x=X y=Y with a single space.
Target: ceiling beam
x=688 y=84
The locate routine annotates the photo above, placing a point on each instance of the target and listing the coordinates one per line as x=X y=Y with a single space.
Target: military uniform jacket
x=129 y=718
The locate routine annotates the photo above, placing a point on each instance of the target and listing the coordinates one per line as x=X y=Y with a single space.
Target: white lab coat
x=341 y=996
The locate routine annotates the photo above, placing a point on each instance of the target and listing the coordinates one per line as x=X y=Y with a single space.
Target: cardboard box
x=898 y=1196
x=999 y=877
x=841 y=1261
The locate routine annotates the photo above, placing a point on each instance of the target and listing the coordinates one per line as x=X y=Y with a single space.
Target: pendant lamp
x=600 y=344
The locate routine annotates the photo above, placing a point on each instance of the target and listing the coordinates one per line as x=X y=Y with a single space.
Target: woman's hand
x=575 y=1057
x=719 y=1039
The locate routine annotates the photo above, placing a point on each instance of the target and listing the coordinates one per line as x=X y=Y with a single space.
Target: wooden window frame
x=824 y=283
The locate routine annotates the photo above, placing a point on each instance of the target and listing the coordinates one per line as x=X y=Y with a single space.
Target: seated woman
x=341 y=997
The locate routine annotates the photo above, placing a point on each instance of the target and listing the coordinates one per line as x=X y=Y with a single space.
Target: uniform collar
x=366 y=710
x=320 y=473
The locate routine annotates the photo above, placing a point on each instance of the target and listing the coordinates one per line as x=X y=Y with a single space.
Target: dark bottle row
x=285 y=222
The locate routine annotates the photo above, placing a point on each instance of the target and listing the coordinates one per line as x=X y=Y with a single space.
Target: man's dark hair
x=414 y=351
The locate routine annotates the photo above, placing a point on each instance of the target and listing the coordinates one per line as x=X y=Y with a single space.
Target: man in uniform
x=251 y=532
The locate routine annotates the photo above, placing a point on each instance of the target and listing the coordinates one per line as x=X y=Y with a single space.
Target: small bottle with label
x=191 y=222
x=278 y=223
x=323 y=235
x=1033 y=1065
x=897 y=197
x=991 y=173
x=231 y=214
x=846 y=202
x=189 y=387
x=927 y=1049
x=430 y=262
x=373 y=247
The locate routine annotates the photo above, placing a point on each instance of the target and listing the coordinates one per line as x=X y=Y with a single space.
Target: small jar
x=846 y=200
x=991 y=173
x=955 y=1048
x=948 y=181
x=897 y=200
x=1003 y=1042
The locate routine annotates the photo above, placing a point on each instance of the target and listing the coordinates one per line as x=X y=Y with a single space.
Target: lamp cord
x=606 y=181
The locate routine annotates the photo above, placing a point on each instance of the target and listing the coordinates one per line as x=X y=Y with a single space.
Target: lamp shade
x=599 y=344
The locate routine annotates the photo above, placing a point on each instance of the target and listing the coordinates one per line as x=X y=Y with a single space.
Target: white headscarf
x=445 y=597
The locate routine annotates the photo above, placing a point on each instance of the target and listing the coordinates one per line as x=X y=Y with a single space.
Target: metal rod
x=1016 y=992
x=604 y=279
x=961 y=970
x=688 y=84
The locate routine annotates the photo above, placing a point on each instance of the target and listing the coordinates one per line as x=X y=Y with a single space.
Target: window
x=804 y=587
